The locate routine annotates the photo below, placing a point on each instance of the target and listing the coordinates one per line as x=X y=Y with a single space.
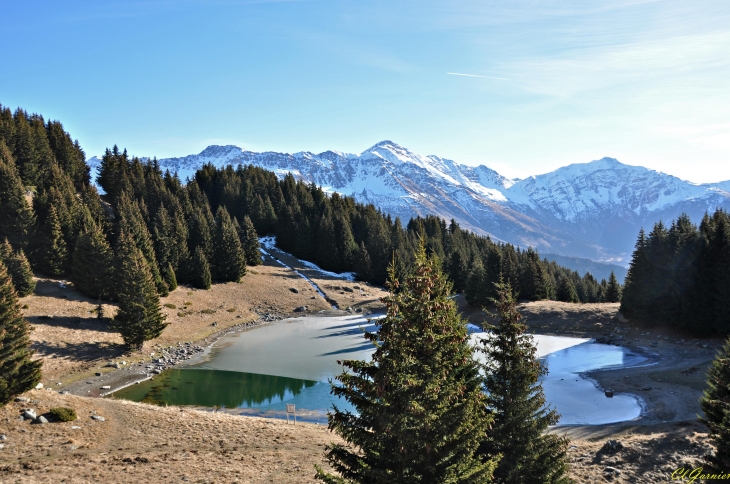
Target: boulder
x=612 y=446
x=42 y=420
x=294 y=290
x=300 y=309
x=620 y=318
x=609 y=393
x=22 y=399
x=39 y=386
x=30 y=414
x=98 y=418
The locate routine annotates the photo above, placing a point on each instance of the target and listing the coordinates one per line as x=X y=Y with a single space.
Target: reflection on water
x=303 y=353
x=210 y=388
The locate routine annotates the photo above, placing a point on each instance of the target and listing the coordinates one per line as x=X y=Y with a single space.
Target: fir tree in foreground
x=138 y=318
x=516 y=399
x=17 y=372
x=715 y=404
x=419 y=400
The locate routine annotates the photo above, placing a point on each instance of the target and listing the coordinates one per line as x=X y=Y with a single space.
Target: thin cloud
x=474 y=75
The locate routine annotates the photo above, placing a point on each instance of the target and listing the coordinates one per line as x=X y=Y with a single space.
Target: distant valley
x=589 y=210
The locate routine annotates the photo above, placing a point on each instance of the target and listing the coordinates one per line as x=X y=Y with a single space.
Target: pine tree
x=566 y=291
x=168 y=274
x=132 y=222
x=92 y=267
x=230 y=261
x=53 y=254
x=200 y=270
x=363 y=265
x=613 y=289
x=139 y=317
x=633 y=297
x=19 y=269
x=250 y=243
x=516 y=399
x=420 y=407
x=18 y=373
x=16 y=217
x=715 y=404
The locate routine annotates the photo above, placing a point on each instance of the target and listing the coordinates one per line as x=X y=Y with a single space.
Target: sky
x=523 y=87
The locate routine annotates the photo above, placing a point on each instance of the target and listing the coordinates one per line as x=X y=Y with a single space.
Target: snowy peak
x=583 y=189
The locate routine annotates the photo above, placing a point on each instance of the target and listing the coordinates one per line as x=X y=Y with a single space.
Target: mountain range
x=587 y=210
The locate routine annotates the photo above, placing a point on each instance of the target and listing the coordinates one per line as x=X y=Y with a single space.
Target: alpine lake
x=259 y=371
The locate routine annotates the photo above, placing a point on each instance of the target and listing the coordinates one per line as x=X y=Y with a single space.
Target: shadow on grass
x=80 y=351
x=73 y=322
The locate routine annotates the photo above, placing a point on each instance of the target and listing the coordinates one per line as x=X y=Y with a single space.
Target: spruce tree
x=715 y=404
x=517 y=402
x=131 y=221
x=168 y=274
x=19 y=269
x=16 y=217
x=363 y=265
x=53 y=253
x=420 y=406
x=200 y=270
x=633 y=297
x=613 y=289
x=18 y=373
x=138 y=317
x=92 y=267
x=250 y=243
x=566 y=291
x=229 y=259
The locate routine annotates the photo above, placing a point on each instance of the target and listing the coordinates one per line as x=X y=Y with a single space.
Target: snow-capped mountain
x=591 y=210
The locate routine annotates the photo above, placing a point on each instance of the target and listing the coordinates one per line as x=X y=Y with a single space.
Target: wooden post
x=291 y=409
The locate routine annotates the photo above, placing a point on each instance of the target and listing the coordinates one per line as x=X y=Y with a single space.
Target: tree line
x=341 y=235
x=680 y=276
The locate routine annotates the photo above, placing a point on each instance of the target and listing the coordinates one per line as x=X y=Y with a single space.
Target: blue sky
x=647 y=82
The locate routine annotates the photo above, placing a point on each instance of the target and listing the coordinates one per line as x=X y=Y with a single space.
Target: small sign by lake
x=289 y=362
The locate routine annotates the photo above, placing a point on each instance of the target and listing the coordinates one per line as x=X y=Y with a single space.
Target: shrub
x=208 y=311
x=170 y=305
x=63 y=414
x=231 y=310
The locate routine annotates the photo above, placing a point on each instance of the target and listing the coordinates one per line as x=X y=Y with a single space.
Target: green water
x=210 y=388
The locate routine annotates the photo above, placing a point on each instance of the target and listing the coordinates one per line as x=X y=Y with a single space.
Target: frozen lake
x=290 y=361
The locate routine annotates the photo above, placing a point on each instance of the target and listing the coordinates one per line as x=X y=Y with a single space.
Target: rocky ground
x=152 y=444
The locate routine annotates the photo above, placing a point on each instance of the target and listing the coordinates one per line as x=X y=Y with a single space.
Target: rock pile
x=173 y=356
